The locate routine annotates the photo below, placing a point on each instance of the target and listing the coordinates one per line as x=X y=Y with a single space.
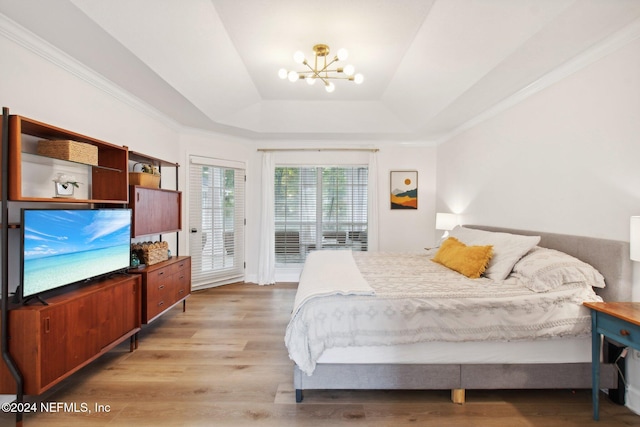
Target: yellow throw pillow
x=468 y=260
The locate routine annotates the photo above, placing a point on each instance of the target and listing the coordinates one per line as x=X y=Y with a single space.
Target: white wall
x=564 y=160
x=36 y=88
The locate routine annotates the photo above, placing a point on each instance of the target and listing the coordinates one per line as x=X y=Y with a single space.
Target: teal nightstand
x=619 y=321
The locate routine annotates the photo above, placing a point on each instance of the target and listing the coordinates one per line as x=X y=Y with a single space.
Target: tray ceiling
x=430 y=66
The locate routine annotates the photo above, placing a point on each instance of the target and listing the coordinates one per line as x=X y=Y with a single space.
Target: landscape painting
x=404 y=189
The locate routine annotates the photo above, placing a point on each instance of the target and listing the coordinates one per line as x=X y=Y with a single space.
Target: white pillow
x=507 y=248
x=544 y=269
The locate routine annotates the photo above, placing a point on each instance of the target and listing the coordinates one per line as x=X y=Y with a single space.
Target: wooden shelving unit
x=148 y=219
x=158 y=211
x=44 y=344
x=41 y=345
x=108 y=180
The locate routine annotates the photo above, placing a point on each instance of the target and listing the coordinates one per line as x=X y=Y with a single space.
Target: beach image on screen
x=67 y=246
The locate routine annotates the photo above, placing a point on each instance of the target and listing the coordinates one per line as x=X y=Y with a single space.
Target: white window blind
x=319 y=207
x=216 y=211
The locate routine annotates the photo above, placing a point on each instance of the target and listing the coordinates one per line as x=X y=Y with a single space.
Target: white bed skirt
x=565 y=350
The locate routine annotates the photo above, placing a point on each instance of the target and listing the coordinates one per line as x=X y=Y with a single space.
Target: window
x=216 y=237
x=319 y=207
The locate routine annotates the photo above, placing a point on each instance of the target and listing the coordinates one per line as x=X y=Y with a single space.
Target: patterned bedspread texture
x=417 y=300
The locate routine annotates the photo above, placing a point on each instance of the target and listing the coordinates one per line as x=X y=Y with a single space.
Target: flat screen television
x=64 y=247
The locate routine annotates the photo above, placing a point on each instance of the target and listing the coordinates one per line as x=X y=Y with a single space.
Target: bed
x=371 y=335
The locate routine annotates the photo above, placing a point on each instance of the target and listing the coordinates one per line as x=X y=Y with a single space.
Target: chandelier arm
x=313 y=72
x=338 y=71
x=324 y=69
x=323 y=77
x=309 y=66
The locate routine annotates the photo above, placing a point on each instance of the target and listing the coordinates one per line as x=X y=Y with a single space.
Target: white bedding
x=417 y=300
x=330 y=273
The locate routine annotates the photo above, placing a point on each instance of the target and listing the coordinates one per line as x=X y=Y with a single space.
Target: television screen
x=61 y=247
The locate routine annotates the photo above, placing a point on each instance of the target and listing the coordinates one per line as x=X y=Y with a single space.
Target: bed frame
x=610 y=257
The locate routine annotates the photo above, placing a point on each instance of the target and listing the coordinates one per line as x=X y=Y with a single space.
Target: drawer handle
x=181 y=291
x=161 y=303
x=161 y=273
x=161 y=287
x=624 y=332
x=181 y=265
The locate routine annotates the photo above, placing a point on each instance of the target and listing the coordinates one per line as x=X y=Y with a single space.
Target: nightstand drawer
x=618 y=330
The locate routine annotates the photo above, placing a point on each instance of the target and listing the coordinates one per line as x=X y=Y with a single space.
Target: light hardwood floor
x=223 y=363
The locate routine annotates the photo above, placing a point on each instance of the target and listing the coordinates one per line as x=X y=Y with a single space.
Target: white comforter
x=416 y=300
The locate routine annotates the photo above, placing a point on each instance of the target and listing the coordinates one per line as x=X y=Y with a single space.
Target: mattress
x=402 y=300
x=565 y=350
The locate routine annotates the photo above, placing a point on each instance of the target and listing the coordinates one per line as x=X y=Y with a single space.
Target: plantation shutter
x=216 y=218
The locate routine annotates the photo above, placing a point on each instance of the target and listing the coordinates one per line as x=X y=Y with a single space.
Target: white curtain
x=267 y=256
x=372 y=194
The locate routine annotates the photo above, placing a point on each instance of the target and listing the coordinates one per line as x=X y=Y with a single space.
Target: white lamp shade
x=634 y=238
x=293 y=76
x=349 y=70
x=298 y=57
x=446 y=221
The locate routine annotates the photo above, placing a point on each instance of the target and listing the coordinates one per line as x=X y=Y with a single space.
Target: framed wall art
x=404 y=189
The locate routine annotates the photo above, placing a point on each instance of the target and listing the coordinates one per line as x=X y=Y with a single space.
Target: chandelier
x=320 y=69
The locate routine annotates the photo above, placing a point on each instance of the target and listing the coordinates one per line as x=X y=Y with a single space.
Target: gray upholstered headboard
x=609 y=257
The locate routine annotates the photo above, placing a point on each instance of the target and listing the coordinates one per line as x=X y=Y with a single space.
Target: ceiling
x=430 y=66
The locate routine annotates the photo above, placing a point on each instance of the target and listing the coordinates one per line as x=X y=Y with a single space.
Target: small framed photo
x=404 y=189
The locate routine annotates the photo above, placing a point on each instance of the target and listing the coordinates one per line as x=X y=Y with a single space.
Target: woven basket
x=144 y=179
x=150 y=253
x=73 y=151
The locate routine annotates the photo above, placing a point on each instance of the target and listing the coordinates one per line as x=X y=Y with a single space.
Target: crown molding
x=30 y=41
x=596 y=52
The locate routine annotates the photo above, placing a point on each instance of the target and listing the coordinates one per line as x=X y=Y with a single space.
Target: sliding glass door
x=319 y=208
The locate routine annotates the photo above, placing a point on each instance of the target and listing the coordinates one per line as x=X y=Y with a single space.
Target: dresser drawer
x=182 y=284
x=160 y=274
x=618 y=330
x=181 y=266
x=157 y=306
x=158 y=288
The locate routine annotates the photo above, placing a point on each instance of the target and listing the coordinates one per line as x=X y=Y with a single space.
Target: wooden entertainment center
x=81 y=322
x=51 y=342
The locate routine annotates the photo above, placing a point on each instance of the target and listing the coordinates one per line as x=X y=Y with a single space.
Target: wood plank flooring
x=223 y=363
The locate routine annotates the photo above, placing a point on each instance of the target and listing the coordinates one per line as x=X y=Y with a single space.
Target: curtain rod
x=374 y=150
